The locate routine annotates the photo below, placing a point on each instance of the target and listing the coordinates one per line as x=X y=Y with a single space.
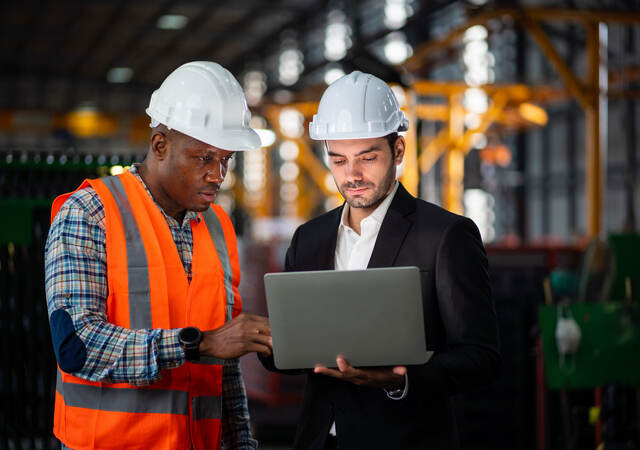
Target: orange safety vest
x=148 y=288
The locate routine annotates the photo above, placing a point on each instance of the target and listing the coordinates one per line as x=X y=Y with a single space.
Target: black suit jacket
x=460 y=323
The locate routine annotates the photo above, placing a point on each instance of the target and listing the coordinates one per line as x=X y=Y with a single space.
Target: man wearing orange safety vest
x=142 y=280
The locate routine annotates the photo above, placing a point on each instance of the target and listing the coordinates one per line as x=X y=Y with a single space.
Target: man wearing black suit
x=382 y=225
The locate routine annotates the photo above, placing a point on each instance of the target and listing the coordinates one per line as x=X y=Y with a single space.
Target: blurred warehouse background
x=525 y=117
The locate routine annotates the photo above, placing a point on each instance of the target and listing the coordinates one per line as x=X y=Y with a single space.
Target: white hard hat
x=357 y=106
x=203 y=100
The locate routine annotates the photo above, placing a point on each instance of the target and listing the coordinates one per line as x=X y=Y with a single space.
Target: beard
x=377 y=192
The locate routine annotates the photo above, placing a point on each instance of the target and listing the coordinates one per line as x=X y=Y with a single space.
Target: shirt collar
x=377 y=215
x=188 y=216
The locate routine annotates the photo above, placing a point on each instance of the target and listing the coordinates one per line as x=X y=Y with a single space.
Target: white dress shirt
x=353 y=252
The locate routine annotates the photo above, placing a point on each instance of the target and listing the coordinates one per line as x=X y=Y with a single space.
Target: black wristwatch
x=190 y=338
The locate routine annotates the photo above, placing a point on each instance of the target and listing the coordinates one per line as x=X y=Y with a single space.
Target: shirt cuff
x=170 y=353
x=399 y=394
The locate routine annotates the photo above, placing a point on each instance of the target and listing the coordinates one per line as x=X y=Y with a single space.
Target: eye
x=204 y=158
x=369 y=158
x=227 y=158
x=337 y=162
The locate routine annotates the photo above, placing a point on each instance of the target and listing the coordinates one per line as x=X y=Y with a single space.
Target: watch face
x=189 y=334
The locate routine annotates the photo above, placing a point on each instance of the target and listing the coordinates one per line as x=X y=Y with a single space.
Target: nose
x=353 y=171
x=216 y=173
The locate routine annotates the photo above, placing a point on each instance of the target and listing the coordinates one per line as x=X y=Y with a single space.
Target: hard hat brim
x=234 y=140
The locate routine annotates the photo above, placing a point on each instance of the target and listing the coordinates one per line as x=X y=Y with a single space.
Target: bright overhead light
x=396 y=48
x=267 y=137
x=337 y=36
x=290 y=63
x=116 y=170
x=289 y=150
x=289 y=192
x=396 y=13
x=332 y=74
x=119 y=74
x=291 y=123
x=289 y=171
x=475 y=33
x=172 y=22
x=255 y=85
x=478 y=61
x=475 y=100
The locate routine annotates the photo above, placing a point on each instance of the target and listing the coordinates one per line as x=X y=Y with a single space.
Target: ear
x=399 y=150
x=159 y=145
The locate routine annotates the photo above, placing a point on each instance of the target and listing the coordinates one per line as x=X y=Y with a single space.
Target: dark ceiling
x=56 y=54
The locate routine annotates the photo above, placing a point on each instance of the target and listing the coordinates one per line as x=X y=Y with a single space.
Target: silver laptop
x=372 y=317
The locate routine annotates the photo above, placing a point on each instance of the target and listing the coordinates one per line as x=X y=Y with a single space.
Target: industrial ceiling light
x=119 y=74
x=267 y=136
x=259 y=125
x=288 y=150
x=290 y=63
x=479 y=207
x=477 y=60
x=332 y=74
x=172 y=22
x=476 y=101
x=255 y=85
x=396 y=48
x=291 y=123
x=337 y=36
x=396 y=13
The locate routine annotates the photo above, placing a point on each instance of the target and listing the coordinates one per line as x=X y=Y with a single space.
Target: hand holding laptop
x=375 y=377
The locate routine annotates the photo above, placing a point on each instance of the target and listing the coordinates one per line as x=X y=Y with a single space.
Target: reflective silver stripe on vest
x=128 y=400
x=137 y=268
x=207 y=407
x=59 y=382
x=217 y=235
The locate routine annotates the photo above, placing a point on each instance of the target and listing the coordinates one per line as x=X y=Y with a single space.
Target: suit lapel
x=395 y=226
x=327 y=242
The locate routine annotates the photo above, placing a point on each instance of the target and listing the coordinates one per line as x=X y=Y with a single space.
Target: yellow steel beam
x=439 y=112
x=410 y=172
x=423 y=51
x=494 y=112
x=265 y=209
x=434 y=149
x=453 y=167
x=573 y=83
x=447 y=88
x=308 y=160
x=594 y=178
x=239 y=193
x=442 y=141
x=516 y=92
x=435 y=45
x=630 y=94
x=582 y=15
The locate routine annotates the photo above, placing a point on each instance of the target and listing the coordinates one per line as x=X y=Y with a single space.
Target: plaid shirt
x=76 y=281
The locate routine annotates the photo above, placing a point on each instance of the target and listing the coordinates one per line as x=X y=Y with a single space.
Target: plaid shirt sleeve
x=236 y=433
x=76 y=282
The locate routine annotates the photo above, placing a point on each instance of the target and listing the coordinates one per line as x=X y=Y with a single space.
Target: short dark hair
x=391 y=139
